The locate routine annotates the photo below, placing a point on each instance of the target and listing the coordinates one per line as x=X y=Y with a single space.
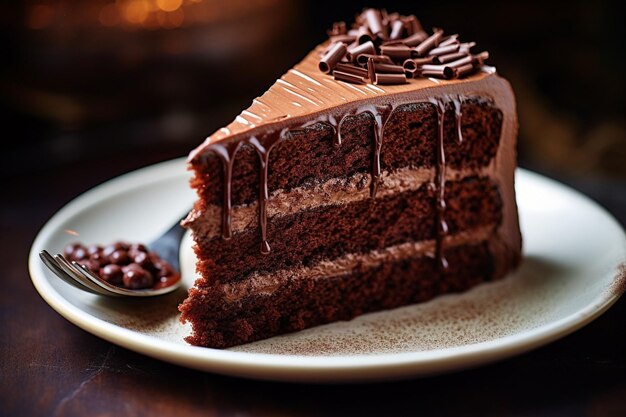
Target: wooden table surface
x=48 y=366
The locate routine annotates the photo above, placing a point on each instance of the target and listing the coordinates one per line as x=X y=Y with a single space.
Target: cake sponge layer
x=308 y=236
x=301 y=303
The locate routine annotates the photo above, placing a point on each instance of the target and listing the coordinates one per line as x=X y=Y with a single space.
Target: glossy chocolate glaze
x=264 y=144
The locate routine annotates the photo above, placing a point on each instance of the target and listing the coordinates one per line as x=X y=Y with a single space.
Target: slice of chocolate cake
x=376 y=173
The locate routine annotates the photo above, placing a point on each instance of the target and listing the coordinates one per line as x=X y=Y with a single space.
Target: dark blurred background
x=95 y=82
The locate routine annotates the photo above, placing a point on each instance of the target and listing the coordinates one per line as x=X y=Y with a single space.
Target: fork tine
x=51 y=263
x=88 y=274
x=123 y=291
x=78 y=275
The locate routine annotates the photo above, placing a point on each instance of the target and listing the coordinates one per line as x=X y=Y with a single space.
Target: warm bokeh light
x=169 y=5
x=136 y=11
x=135 y=14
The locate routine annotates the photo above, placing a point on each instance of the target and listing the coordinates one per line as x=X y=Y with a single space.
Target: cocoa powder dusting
x=618 y=286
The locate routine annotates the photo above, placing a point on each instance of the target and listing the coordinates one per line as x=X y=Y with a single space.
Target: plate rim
x=291 y=367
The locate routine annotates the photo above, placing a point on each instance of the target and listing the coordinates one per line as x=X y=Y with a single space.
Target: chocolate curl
x=480 y=58
x=332 y=57
x=347 y=77
x=467 y=45
x=465 y=69
x=443 y=50
x=415 y=63
x=347 y=39
x=388 y=68
x=393 y=42
x=364 y=48
x=390 y=79
x=414 y=39
x=351 y=69
x=365 y=35
x=388 y=19
x=412 y=25
x=442 y=59
x=442 y=71
x=375 y=23
x=412 y=73
x=363 y=58
x=398 y=52
x=339 y=28
x=460 y=62
x=397 y=27
x=429 y=43
x=371 y=71
x=450 y=40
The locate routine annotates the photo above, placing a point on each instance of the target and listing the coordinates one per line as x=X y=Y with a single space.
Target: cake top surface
x=304 y=92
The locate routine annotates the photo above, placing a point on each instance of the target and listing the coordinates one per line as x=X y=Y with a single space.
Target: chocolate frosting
x=303 y=93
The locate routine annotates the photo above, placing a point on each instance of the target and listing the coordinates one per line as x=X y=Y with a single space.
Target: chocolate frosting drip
x=440 y=184
x=381 y=115
x=263 y=150
x=226 y=153
x=458 y=102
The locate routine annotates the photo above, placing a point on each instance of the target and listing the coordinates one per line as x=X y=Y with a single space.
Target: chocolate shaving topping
x=332 y=57
x=351 y=78
x=442 y=59
x=443 y=50
x=450 y=40
x=364 y=48
x=397 y=27
x=387 y=48
x=398 y=52
x=388 y=68
x=390 y=79
x=351 y=69
x=413 y=64
x=412 y=26
x=364 y=35
x=429 y=43
x=415 y=39
x=362 y=59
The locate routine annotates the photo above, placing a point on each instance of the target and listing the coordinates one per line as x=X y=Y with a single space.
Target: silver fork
x=167 y=246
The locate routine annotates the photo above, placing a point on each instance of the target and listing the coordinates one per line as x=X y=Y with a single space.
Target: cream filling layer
x=334 y=191
x=266 y=284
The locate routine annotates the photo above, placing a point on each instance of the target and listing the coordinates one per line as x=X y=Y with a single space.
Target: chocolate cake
x=376 y=173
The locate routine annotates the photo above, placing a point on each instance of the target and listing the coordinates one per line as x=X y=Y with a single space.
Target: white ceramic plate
x=573 y=271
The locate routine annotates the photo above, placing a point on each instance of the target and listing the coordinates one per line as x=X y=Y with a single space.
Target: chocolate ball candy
x=109 y=249
x=137 y=247
x=165 y=269
x=119 y=257
x=136 y=277
x=97 y=257
x=93 y=249
x=142 y=259
x=80 y=253
x=90 y=265
x=112 y=274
